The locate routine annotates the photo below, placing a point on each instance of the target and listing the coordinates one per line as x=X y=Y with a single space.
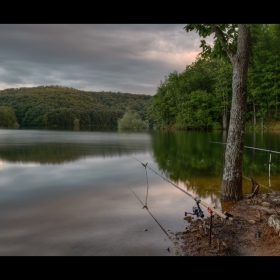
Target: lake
x=82 y=193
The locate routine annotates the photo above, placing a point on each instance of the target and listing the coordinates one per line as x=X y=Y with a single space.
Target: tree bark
x=224 y=100
x=232 y=174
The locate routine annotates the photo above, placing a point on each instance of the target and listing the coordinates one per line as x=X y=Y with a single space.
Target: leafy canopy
x=131 y=120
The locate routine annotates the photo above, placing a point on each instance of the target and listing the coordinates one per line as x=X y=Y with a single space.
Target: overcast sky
x=130 y=58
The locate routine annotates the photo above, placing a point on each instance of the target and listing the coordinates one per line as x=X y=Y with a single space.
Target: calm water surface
x=81 y=193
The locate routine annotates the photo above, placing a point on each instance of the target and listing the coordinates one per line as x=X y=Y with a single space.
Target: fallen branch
x=255 y=189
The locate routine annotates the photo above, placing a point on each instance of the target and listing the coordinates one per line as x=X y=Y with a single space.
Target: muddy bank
x=246 y=233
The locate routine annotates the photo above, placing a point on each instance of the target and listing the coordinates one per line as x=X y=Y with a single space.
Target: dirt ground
x=245 y=233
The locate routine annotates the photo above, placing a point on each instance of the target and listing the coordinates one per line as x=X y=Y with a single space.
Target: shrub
x=132 y=120
x=7 y=117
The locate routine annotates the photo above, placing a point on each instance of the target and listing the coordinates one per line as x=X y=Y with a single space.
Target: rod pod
x=210 y=230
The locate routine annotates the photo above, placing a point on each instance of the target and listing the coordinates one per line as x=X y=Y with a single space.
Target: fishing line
x=145 y=165
x=199 y=213
x=163 y=177
x=271 y=152
x=144 y=206
x=196 y=210
x=247 y=178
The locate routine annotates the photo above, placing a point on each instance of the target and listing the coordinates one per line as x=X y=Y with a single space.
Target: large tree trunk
x=232 y=174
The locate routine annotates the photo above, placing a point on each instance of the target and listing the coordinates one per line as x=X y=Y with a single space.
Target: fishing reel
x=196 y=210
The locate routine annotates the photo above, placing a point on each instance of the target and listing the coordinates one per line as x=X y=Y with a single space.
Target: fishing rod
x=146 y=206
x=247 y=178
x=197 y=210
x=270 y=152
x=274 y=152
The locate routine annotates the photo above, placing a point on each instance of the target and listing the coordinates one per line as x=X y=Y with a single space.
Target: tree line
x=200 y=97
x=58 y=106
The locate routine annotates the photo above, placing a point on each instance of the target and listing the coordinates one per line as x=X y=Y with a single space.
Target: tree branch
x=219 y=33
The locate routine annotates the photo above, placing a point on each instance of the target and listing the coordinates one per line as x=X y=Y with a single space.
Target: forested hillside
x=200 y=96
x=65 y=107
x=197 y=98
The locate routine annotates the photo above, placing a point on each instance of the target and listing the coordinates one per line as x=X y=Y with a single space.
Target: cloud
x=94 y=57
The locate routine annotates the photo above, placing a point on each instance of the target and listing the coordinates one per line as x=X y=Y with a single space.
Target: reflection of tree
x=190 y=158
x=255 y=162
x=58 y=153
x=41 y=153
x=185 y=155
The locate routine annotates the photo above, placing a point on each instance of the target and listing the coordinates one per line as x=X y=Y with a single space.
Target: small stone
x=188 y=218
x=266 y=204
x=251 y=221
x=145 y=229
x=274 y=222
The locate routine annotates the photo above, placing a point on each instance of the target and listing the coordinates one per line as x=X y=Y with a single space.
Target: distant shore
x=265 y=126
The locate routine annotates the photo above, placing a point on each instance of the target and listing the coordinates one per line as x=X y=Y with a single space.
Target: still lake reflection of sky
x=84 y=206
x=66 y=193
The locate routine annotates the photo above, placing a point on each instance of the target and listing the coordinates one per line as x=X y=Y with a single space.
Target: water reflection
x=58 y=147
x=66 y=192
x=191 y=159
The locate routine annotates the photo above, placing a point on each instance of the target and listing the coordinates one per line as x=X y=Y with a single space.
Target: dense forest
x=57 y=106
x=200 y=96
x=197 y=98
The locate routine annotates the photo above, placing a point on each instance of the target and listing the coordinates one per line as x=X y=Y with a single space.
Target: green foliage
x=7 y=117
x=187 y=156
x=264 y=75
x=56 y=106
x=194 y=99
x=176 y=104
x=132 y=121
x=76 y=122
x=200 y=110
x=224 y=35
